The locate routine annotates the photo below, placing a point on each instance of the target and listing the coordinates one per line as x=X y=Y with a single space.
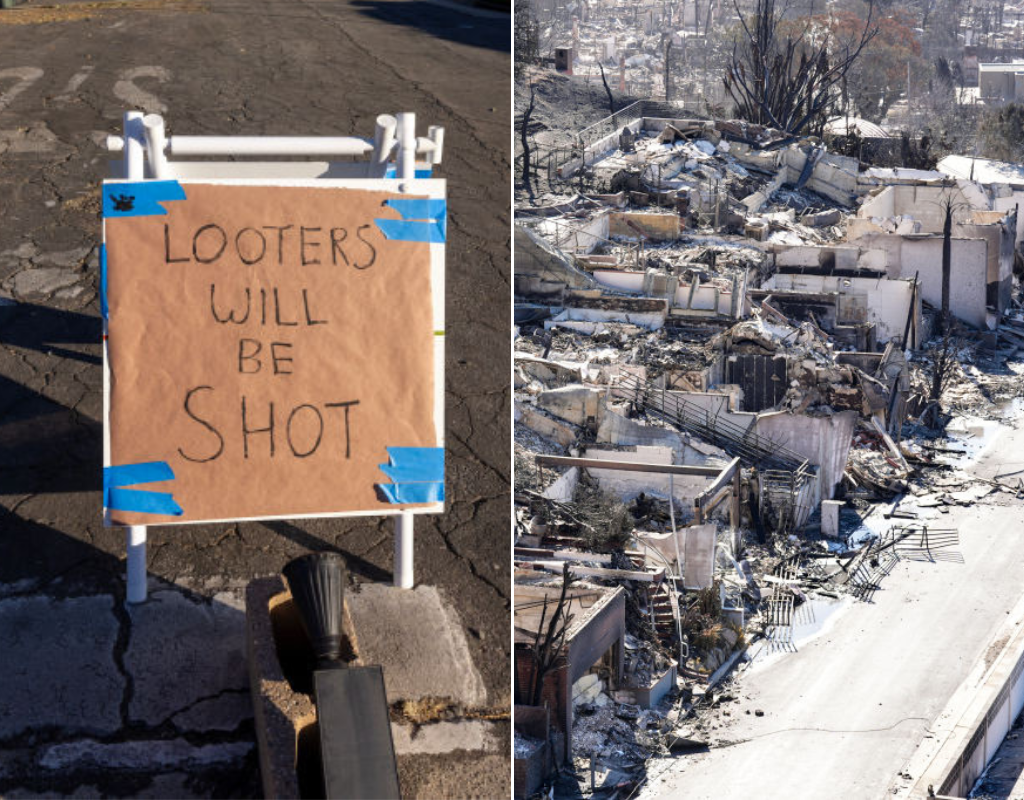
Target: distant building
x=1001 y=83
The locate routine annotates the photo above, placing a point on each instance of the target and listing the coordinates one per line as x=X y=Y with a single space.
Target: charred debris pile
x=735 y=374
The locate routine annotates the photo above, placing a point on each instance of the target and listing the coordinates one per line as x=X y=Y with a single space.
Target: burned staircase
x=783 y=473
x=663 y=614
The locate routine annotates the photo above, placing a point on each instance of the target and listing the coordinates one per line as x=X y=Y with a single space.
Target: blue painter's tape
x=413 y=492
x=103 y=282
x=420 y=174
x=422 y=221
x=142 y=502
x=405 y=231
x=139 y=199
x=131 y=474
x=118 y=498
x=428 y=460
x=405 y=474
x=429 y=209
x=418 y=475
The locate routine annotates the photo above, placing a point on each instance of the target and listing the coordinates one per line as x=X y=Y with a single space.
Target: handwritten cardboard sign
x=269 y=348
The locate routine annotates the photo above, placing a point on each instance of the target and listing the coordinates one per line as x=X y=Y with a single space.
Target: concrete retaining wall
x=887 y=301
x=658 y=227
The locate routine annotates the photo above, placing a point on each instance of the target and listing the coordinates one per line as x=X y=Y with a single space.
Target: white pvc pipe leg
x=403 y=550
x=406 y=145
x=137 y=564
x=156 y=145
x=134 y=170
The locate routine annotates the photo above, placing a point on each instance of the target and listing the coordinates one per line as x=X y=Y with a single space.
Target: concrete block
x=417 y=639
x=281 y=712
x=822 y=218
x=830 y=518
x=181 y=651
x=283 y=715
x=445 y=737
x=58 y=665
x=460 y=774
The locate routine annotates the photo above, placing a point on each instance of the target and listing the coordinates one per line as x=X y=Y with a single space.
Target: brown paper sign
x=268 y=344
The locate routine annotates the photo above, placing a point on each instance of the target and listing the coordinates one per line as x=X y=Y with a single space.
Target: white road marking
x=26 y=76
x=136 y=97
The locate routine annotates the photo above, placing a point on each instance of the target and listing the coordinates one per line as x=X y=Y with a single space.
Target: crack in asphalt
x=124 y=634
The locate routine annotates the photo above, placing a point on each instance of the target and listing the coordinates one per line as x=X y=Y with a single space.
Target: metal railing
x=743 y=443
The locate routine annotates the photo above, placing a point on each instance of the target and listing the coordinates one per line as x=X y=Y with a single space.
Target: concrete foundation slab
x=222 y=713
x=205 y=641
x=418 y=640
x=139 y=755
x=59 y=648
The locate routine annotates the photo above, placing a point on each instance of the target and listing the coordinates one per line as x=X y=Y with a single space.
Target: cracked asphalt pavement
x=96 y=699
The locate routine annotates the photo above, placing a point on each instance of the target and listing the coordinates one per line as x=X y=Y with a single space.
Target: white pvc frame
x=145 y=149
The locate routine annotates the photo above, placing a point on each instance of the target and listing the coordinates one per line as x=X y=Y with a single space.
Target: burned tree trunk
x=789 y=81
x=548 y=642
x=524 y=134
x=668 y=71
x=608 y=91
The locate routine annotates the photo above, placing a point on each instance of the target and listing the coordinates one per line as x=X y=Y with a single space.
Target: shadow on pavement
x=441 y=21
x=355 y=564
x=46 y=447
x=45 y=329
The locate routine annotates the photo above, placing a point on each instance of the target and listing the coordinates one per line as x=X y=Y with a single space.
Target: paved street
x=844 y=714
x=94 y=698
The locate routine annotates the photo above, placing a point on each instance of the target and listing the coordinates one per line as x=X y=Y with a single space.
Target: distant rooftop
x=982 y=170
x=1015 y=66
x=841 y=126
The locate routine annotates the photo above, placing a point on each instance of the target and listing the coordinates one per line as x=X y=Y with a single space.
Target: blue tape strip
x=413 y=492
x=103 y=282
x=430 y=208
x=423 y=458
x=422 y=221
x=139 y=199
x=405 y=231
x=406 y=474
x=143 y=502
x=118 y=498
x=418 y=475
x=420 y=174
x=131 y=474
